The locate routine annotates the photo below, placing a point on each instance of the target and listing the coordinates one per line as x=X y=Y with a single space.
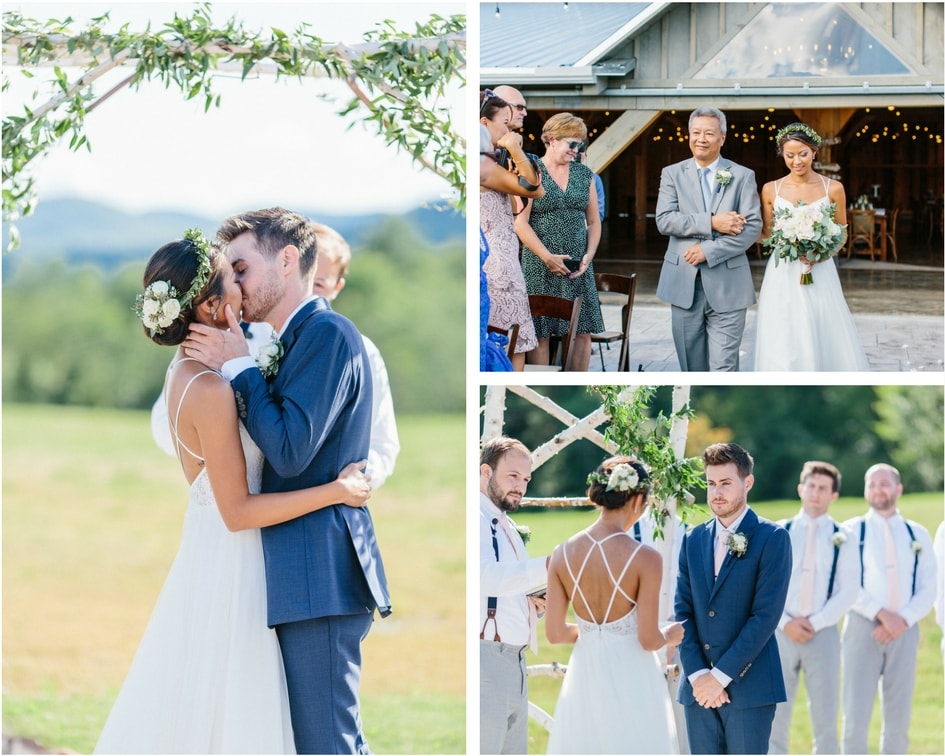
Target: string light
x=498 y=13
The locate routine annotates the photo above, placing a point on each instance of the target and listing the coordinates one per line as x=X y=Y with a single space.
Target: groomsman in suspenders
x=825 y=580
x=507 y=614
x=643 y=531
x=881 y=636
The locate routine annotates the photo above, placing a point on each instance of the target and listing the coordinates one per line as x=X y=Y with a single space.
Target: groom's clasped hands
x=708 y=692
x=730 y=223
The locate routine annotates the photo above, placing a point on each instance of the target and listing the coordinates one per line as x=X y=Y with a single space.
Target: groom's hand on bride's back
x=214 y=346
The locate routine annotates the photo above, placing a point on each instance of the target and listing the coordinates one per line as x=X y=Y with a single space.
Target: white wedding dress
x=208 y=675
x=805 y=327
x=614 y=697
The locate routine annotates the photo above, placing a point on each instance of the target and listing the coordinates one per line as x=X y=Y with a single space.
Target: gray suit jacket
x=681 y=215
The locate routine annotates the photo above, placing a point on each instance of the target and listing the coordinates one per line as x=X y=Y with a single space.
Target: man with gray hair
x=708 y=206
x=881 y=636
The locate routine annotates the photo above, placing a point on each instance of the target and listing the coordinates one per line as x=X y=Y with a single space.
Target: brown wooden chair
x=626 y=285
x=862 y=226
x=891 y=233
x=543 y=305
x=511 y=333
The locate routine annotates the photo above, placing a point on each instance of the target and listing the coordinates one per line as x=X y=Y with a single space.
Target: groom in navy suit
x=733 y=580
x=310 y=417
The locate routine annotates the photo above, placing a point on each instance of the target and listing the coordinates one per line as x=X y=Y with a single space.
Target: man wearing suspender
x=881 y=636
x=824 y=585
x=507 y=614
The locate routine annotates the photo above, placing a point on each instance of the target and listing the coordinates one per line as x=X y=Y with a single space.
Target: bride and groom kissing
x=254 y=645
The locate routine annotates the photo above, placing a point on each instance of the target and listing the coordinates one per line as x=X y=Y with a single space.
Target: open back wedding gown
x=208 y=675
x=614 y=697
x=805 y=327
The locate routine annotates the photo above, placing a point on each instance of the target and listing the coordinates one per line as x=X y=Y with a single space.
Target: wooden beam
x=618 y=136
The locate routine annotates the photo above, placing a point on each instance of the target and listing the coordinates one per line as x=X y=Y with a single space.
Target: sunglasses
x=573 y=145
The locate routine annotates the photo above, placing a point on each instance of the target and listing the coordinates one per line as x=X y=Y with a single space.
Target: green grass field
x=92 y=513
x=928 y=720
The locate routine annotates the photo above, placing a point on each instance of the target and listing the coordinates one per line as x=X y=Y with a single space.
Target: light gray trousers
x=820 y=660
x=503 y=698
x=866 y=665
x=705 y=339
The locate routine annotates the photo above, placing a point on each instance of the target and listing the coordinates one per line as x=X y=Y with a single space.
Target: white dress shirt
x=385 y=442
x=846 y=584
x=940 y=591
x=509 y=579
x=873 y=596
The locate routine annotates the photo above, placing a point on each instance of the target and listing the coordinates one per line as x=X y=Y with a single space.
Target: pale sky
x=269 y=143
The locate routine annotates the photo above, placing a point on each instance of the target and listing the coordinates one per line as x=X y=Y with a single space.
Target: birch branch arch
x=398 y=80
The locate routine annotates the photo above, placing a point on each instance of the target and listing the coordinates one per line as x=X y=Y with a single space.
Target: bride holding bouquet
x=803 y=321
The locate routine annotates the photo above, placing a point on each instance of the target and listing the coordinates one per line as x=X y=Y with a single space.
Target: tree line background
x=71 y=337
x=852 y=427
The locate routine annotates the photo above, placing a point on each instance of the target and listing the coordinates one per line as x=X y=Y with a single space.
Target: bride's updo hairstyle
x=801 y=132
x=180 y=265
x=616 y=481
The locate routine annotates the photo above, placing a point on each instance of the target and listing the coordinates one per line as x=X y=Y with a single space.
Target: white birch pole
x=677 y=439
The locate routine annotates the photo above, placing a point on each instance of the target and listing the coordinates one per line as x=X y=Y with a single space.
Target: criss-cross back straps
x=616 y=580
x=180 y=404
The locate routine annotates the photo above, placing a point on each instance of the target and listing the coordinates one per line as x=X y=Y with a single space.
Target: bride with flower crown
x=614 y=697
x=208 y=675
x=803 y=321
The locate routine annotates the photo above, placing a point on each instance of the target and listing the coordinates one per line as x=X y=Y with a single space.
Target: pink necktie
x=805 y=598
x=721 y=547
x=892 y=571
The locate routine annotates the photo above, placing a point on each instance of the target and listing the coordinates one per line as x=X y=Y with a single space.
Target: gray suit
x=709 y=300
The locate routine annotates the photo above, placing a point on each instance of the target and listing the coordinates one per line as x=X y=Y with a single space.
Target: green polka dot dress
x=558 y=219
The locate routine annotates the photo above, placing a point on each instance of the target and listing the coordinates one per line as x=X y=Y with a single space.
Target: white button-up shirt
x=846 y=584
x=874 y=594
x=509 y=579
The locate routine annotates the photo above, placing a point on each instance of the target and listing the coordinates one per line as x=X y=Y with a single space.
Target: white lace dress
x=614 y=697
x=805 y=327
x=208 y=675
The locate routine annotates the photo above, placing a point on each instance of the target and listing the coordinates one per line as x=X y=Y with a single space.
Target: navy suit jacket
x=732 y=619
x=311 y=420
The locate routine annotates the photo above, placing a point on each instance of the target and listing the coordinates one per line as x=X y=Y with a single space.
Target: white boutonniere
x=723 y=177
x=268 y=357
x=916 y=547
x=525 y=532
x=839 y=538
x=738 y=544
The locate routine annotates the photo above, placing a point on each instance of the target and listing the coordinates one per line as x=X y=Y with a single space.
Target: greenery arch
x=398 y=81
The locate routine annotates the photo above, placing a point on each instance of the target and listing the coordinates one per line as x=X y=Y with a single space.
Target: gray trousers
x=891 y=666
x=503 y=698
x=706 y=339
x=820 y=660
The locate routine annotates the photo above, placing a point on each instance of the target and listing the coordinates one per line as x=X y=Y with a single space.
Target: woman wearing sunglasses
x=560 y=233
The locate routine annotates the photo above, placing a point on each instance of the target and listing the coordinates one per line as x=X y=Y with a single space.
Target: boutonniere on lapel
x=525 y=532
x=838 y=539
x=738 y=544
x=268 y=357
x=723 y=178
x=916 y=547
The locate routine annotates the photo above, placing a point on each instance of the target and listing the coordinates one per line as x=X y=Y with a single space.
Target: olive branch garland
x=398 y=80
x=636 y=433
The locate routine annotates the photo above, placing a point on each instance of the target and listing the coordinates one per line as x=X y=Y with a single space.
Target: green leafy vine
x=399 y=81
x=635 y=433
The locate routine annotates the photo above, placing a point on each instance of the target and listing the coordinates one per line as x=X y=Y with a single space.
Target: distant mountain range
x=81 y=231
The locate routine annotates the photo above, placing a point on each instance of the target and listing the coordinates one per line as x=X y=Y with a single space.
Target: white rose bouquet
x=805 y=232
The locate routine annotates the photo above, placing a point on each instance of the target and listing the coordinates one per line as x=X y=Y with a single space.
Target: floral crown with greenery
x=798 y=128
x=626 y=477
x=160 y=305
